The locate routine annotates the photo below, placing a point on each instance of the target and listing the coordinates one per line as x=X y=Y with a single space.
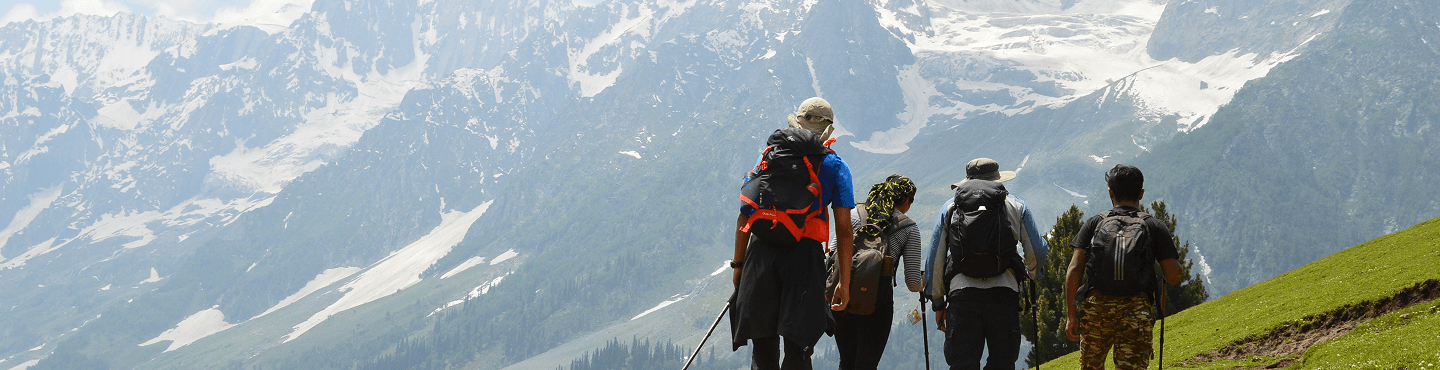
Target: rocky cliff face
x=1196 y=29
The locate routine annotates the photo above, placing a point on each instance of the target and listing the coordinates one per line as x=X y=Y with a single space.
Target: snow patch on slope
x=503 y=257
x=322 y=280
x=121 y=115
x=39 y=249
x=198 y=326
x=583 y=75
x=400 y=269
x=154 y=277
x=472 y=262
x=474 y=293
x=327 y=129
x=38 y=202
x=672 y=300
x=917 y=92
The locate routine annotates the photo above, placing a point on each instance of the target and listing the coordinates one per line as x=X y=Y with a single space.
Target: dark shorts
x=781 y=292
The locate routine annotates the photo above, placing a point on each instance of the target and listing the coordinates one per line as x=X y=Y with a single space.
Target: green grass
x=1369 y=271
x=1412 y=342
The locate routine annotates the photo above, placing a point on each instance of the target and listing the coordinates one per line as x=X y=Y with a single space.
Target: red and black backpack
x=784 y=189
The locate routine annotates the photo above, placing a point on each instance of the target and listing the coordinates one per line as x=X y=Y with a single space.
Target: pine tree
x=1052 y=342
x=1191 y=290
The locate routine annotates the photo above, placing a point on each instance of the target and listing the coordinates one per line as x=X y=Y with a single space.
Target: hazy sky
x=191 y=10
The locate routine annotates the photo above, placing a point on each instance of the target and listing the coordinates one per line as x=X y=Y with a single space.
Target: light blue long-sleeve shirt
x=1031 y=245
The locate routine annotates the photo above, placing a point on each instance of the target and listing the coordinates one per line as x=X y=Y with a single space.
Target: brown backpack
x=870 y=267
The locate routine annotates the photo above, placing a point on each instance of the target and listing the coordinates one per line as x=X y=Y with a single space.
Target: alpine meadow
x=553 y=184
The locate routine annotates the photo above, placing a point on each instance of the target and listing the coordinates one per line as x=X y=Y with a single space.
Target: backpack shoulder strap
x=900 y=221
x=864 y=216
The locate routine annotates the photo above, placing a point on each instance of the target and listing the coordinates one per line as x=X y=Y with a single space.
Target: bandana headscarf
x=881 y=202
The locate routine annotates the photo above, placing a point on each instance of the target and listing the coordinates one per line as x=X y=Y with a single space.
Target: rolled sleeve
x=1036 y=245
x=935 y=260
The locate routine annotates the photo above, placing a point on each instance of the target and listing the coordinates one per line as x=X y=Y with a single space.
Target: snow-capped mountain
x=447 y=183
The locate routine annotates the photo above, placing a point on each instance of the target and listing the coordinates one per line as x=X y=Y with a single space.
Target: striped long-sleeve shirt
x=904 y=246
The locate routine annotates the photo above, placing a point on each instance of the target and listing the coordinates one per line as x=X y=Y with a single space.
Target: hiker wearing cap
x=861 y=335
x=780 y=284
x=984 y=244
x=1113 y=308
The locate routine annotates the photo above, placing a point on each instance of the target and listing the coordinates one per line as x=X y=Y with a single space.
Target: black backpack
x=784 y=187
x=871 y=264
x=979 y=239
x=1119 y=261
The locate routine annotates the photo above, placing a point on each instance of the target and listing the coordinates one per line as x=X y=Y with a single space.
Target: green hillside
x=1323 y=295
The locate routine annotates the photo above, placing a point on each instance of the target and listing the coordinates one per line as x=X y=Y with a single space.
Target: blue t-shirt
x=835 y=185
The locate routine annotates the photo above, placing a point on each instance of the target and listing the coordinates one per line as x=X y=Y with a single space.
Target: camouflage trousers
x=1124 y=323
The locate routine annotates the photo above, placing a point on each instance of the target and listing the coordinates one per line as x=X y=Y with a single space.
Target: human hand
x=940 y=320
x=841 y=299
x=1072 y=329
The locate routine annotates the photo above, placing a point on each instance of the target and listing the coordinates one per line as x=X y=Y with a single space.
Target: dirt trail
x=1287 y=341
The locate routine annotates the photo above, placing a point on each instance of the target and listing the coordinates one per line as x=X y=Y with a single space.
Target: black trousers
x=765 y=355
x=861 y=339
x=976 y=319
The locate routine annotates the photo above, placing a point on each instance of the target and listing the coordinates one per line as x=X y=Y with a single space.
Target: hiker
x=1118 y=296
x=779 y=258
x=861 y=335
x=976 y=294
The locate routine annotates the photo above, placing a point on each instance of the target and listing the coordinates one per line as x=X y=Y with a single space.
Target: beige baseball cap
x=816 y=115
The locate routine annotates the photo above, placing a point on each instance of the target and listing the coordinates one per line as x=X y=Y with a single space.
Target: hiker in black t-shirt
x=1116 y=251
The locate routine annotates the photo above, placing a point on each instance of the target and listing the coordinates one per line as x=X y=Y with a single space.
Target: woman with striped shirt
x=861 y=338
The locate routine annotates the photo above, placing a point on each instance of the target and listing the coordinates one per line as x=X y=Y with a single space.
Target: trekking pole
x=707 y=336
x=1163 y=297
x=924 y=333
x=1035 y=314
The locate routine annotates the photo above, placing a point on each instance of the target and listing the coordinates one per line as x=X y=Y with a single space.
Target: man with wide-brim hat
x=984 y=169
x=977 y=313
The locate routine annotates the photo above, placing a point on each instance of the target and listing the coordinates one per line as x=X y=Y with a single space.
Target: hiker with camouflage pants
x=1116 y=252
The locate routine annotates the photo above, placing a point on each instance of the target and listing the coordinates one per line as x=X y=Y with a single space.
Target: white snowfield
x=199 y=325
x=38 y=202
x=1080 y=48
x=401 y=269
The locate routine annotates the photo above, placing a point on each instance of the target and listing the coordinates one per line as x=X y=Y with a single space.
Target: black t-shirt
x=1161 y=241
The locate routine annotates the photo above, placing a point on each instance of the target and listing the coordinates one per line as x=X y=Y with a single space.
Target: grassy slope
x=1368 y=271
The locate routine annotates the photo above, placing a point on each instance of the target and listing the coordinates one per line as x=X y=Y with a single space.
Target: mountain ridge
x=609 y=149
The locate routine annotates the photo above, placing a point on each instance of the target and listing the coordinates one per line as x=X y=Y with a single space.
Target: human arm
x=935 y=268
x=742 y=240
x=1035 y=245
x=844 y=250
x=1166 y=253
x=910 y=237
x=1171 y=267
x=1072 y=284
